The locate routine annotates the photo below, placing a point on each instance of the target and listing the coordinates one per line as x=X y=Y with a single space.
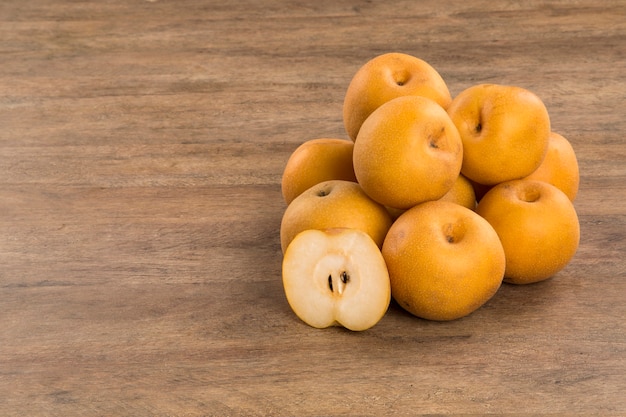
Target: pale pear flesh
x=336 y=278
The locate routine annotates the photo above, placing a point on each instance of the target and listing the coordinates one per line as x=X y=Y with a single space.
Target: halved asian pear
x=336 y=277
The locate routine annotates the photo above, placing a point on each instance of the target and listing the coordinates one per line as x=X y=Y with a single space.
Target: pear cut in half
x=336 y=277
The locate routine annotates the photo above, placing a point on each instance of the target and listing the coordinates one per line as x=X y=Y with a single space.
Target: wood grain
x=141 y=149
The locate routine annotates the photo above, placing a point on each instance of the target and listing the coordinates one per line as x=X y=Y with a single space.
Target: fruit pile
x=432 y=200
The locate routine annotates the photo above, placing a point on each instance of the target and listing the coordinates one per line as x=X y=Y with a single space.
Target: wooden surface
x=141 y=149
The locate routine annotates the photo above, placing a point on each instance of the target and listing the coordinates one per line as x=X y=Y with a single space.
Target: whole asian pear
x=505 y=131
x=537 y=225
x=408 y=151
x=444 y=260
x=559 y=167
x=315 y=161
x=333 y=204
x=386 y=77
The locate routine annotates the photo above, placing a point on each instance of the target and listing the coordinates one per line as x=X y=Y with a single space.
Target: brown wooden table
x=141 y=149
